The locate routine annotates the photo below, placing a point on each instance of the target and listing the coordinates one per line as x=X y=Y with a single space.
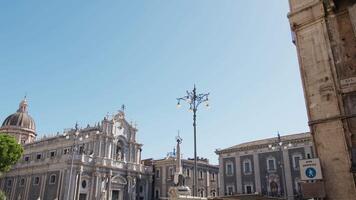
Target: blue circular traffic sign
x=310 y=172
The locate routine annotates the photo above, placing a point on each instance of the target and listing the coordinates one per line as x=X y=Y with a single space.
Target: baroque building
x=102 y=161
x=324 y=32
x=258 y=167
x=165 y=169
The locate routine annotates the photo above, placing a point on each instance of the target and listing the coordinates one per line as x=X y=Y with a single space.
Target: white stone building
x=97 y=162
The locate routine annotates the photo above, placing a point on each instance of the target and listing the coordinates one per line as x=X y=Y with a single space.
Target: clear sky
x=78 y=60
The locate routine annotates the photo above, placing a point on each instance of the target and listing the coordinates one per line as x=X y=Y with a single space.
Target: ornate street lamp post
x=194 y=100
x=75 y=138
x=280 y=146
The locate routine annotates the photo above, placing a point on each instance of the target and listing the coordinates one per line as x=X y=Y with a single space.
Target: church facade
x=102 y=161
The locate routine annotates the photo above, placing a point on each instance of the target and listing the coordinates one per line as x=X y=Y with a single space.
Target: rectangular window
x=157 y=194
x=229 y=169
x=271 y=164
x=66 y=151
x=170 y=173
x=296 y=162
x=188 y=172
x=81 y=150
x=36 y=181
x=247 y=167
x=201 y=174
x=39 y=156
x=157 y=173
x=27 y=158
x=9 y=183
x=212 y=177
x=52 y=154
x=22 y=182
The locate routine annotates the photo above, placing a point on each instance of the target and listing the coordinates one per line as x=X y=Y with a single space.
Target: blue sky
x=78 y=60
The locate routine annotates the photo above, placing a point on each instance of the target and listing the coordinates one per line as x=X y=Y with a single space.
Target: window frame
x=54 y=154
x=158 y=173
x=227 y=164
x=24 y=182
x=50 y=179
x=247 y=161
x=248 y=185
x=34 y=180
x=26 y=158
x=271 y=158
x=9 y=183
x=294 y=156
x=232 y=190
x=201 y=174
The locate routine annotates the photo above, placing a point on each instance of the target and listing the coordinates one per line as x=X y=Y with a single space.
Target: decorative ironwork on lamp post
x=280 y=146
x=194 y=100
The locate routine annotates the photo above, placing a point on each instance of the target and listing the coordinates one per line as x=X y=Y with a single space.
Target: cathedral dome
x=21 y=119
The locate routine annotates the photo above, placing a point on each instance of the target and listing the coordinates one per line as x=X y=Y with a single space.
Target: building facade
x=102 y=161
x=165 y=169
x=260 y=167
x=324 y=32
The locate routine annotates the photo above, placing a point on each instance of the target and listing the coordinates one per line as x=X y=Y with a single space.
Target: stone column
x=27 y=188
x=92 y=188
x=221 y=183
x=43 y=185
x=164 y=185
x=287 y=174
x=62 y=191
x=59 y=184
x=109 y=186
x=109 y=150
x=13 y=188
x=97 y=185
x=79 y=183
x=238 y=175
x=106 y=148
x=256 y=169
x=99 y=152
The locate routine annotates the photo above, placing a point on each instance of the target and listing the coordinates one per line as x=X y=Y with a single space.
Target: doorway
x=115 y=195
x=82 y=196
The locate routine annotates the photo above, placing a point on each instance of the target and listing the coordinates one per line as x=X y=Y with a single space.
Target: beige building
x=324 y=32
x=102 y=161
x=164 y=170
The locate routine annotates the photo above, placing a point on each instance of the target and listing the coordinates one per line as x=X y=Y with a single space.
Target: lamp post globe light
x=75 y=137
x=279 y=146
x=194 y=100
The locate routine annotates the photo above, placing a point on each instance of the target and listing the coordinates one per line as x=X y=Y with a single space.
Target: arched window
x=201 y=192
x=274 y=188
x=212 y=193
x=52 y=179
